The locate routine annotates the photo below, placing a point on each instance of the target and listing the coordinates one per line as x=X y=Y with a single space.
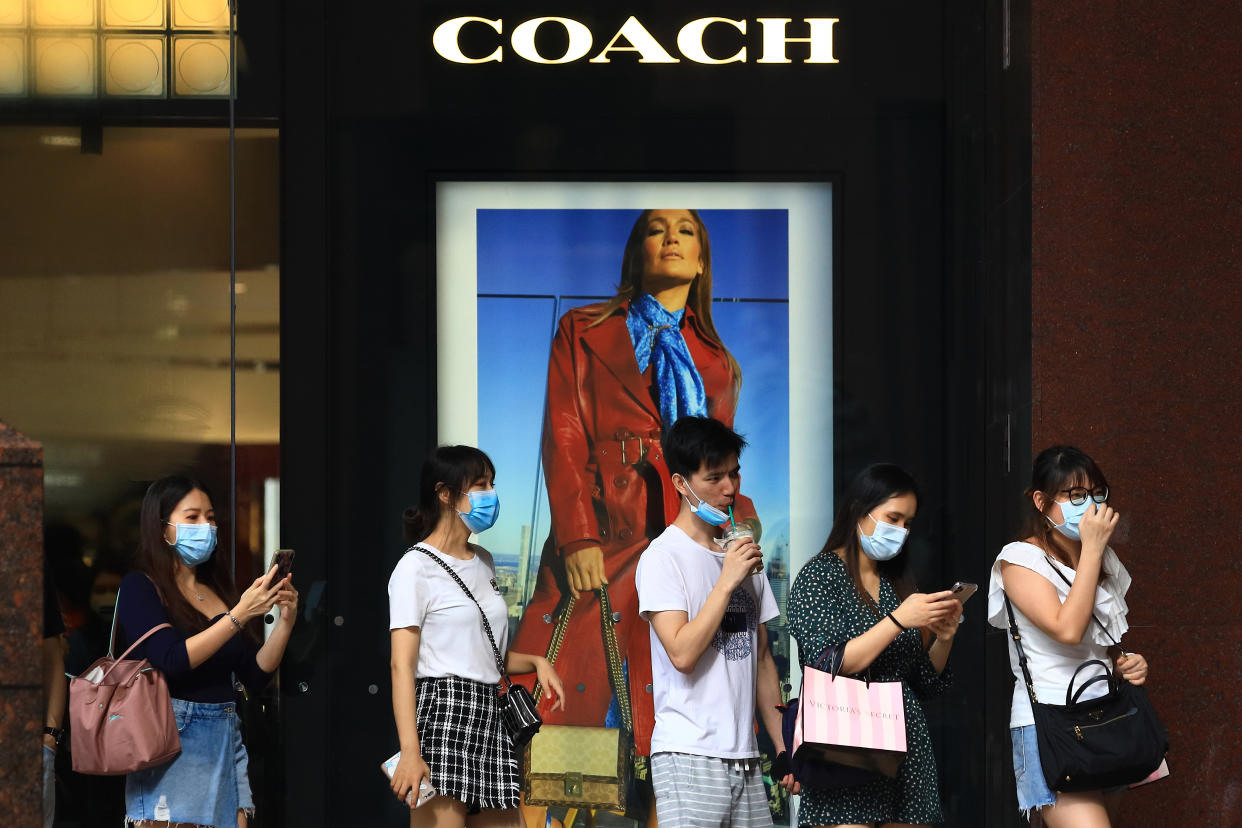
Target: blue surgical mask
x=884 y=542
x=1071 y=516
x=706 y=511
x=195 y=542
x=484 y=509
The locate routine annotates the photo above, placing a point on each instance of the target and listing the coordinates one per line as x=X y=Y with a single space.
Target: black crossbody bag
x=517 y=707
x=1099 y=743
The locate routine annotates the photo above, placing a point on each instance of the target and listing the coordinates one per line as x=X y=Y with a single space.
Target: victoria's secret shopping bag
x=850 y=722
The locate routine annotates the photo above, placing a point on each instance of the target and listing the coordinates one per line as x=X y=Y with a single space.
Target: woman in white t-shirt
x=444 y=668
x=1061 y=574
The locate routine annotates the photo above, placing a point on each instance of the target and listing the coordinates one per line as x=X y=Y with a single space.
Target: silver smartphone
x=962 y=591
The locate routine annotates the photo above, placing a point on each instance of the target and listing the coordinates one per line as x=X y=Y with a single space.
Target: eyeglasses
x=1078 y=494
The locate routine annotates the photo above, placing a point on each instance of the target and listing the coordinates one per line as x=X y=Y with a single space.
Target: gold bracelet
x=236 y=623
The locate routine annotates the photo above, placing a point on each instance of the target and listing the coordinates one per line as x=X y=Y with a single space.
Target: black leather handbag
x=517 y=706
x=1093 y=744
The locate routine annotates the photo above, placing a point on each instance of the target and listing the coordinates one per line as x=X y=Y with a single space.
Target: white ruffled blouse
x=1052 y=664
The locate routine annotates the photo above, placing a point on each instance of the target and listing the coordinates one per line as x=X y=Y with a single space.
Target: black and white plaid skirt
x=465 y=744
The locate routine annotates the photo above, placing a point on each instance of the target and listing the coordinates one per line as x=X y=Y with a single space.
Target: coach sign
x=774 y=39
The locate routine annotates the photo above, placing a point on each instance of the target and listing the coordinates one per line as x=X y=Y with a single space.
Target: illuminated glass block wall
x=114 y=48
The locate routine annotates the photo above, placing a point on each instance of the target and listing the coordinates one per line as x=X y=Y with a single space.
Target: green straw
x=731 y=520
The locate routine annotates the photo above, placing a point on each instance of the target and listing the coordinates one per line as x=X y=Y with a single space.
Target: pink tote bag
x=850 y=722
x=120 y=715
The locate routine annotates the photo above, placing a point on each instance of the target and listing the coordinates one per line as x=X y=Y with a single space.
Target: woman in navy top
x=177 y=581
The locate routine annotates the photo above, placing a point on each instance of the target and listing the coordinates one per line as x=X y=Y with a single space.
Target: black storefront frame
x=985 y=305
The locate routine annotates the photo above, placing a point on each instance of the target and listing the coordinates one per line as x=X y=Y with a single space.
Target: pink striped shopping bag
x=850 y=722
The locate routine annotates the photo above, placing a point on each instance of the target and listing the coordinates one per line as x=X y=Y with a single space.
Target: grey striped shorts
x=707 y=792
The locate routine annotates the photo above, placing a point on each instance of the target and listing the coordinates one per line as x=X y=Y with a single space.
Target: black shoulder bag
x=516 y=705
x=1105 y=742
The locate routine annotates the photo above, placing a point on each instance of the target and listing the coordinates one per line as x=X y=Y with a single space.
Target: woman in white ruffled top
x=1061 y=574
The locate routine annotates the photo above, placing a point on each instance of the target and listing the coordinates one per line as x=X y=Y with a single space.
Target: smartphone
x=284 y=563
x=962 y=590
x=425 y=791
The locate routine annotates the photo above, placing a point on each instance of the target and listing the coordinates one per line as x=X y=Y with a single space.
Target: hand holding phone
x=425 y=791
x=962 y=591
x=283 y=559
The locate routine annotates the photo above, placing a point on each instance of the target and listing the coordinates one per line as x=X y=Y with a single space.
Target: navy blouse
x=140 y=609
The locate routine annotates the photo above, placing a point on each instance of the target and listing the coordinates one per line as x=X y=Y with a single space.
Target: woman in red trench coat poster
x=619 y=371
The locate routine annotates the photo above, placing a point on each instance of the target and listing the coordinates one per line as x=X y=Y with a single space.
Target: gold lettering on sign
x=446 y=36
x=820 y=39
x=640 y=41
x=579 y=40
x=690 y=40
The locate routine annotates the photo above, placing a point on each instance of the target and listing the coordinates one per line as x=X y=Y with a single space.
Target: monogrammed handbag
x=516 y=705
x=583 y=767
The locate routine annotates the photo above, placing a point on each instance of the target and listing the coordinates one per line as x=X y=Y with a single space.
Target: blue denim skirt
x=207 y=784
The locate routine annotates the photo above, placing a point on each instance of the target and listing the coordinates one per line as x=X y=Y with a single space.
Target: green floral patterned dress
x=823 y=610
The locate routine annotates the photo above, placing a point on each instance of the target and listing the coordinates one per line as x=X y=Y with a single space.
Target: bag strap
x=1107 y=677
x=1070 y=584
x=833 y=656
x=130 y=649
x=487 y=627
x=1017 y=642
x=612 y=653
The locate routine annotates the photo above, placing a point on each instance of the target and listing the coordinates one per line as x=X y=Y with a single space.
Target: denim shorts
x=1033 y=790
x=207 y=784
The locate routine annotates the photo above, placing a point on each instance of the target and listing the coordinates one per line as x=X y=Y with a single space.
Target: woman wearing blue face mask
x=858 y=592
x=1057 y=577
x=180 y=581
x=444 y=670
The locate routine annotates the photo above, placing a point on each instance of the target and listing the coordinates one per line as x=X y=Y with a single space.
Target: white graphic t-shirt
x=711 y=710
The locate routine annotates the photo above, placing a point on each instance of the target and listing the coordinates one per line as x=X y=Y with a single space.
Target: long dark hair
x=1054 y=468
x=159 y=560
x=870 y=488
x=453 y=466
x=699 y=300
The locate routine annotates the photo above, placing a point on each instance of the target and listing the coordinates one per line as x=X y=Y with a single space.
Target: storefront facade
x=402 y=201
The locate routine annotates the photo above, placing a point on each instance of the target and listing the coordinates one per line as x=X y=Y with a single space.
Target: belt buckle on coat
x=641 y=450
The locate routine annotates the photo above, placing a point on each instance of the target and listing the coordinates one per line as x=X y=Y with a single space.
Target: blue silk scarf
x=656 y=334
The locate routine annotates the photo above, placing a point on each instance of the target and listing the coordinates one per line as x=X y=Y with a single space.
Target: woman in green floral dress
x=858 y=592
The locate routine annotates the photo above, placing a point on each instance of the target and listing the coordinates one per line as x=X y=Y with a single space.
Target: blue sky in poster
x=578 y=252
x=531 y=261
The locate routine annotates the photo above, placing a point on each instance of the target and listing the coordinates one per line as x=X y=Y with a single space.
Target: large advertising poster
x=537 y=367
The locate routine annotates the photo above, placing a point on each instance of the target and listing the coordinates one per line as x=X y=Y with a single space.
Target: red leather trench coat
x=608 y=485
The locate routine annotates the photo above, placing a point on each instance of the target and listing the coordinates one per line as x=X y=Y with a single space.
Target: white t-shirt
x=1051 y=663
x=710 y=711
x=452 y=641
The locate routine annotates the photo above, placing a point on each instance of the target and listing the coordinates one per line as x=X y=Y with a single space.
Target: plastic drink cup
x=735 y=532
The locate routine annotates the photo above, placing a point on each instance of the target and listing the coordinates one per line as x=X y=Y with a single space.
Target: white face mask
x=885 y=541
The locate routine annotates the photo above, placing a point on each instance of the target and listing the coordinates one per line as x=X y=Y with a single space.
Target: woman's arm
x=566 y=450
x=918 y=610
x=1037 y=598
x=1067 y=622
x=273 y=650
x=520 y=663
x=403 y=664
x=253 y=603
x=945 y=631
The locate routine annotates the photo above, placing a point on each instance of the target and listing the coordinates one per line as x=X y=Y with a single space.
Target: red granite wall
x=1136 y=312
x=21 y=629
